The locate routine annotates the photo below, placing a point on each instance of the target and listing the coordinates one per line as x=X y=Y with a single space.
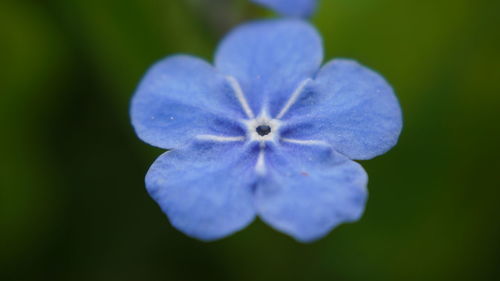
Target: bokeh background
x=72 y=199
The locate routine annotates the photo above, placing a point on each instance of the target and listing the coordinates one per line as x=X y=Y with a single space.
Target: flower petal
x=270 y=59
x=205 y=189
x=351 y=107
x=293 y=8
x=309 y=190
x=181 y=97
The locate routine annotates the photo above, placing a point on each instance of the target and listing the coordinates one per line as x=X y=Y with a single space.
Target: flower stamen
x=263 y=130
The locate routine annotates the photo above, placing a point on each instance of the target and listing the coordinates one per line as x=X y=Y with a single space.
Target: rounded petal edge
x=310 y=192
x=351 y=107
x=203 y=196
x=180 y=97
x=270 y=58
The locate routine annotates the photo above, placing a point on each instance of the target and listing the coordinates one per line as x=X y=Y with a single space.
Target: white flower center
x=263 y=128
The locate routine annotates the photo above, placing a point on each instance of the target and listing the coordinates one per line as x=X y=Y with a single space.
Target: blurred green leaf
x=73 y=204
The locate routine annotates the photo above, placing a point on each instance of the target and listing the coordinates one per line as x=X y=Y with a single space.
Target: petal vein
x=219 y=138
x=240 y=96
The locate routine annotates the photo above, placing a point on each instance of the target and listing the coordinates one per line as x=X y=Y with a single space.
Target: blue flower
x=293 y=8
x=266 y=131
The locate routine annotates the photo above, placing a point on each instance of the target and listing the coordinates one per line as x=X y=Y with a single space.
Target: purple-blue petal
x=181 y=97
x=293 y=8
x=309 y=190
x=270 y=58
x=205 y=188
x=349 y=106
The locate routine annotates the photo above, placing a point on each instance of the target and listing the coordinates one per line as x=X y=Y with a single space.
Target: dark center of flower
x=263 y=130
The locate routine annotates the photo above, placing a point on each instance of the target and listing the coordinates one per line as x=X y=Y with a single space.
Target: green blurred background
x=72 y=199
